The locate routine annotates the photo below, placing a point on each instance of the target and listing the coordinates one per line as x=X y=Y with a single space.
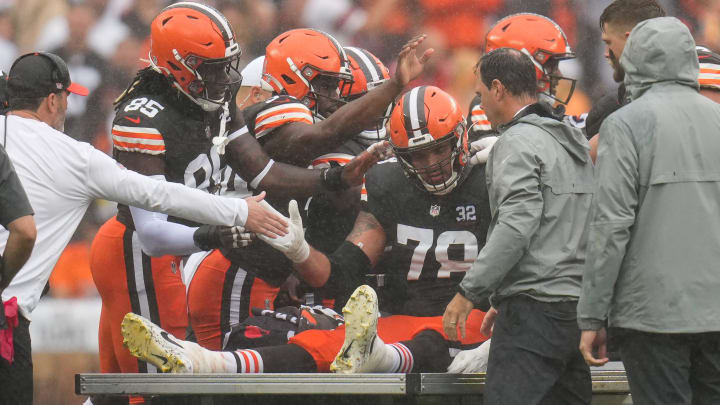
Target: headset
x=59 y=69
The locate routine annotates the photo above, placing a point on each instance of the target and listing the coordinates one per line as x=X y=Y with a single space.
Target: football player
x=545 y=43
x=161 y=129
x=430 y=206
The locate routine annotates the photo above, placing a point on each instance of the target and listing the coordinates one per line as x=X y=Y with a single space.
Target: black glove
x=209 y=237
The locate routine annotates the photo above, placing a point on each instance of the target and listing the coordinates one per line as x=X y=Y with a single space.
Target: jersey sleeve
x=331 y=159
x=375 y=195
x=139 y=129
x=477 y=120
x=263 y=118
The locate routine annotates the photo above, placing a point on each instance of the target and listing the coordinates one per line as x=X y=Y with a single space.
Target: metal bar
x=223 y=384
x=603 y=382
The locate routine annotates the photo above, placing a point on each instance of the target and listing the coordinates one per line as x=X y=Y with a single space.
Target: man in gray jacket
x=654 y=243
x=540 y=184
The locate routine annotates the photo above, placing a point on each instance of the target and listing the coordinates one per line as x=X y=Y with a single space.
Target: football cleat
x=358 y=353
x=152 y=344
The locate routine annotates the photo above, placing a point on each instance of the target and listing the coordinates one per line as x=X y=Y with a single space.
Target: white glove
x=480 y=150
x=293 y=245
x=471 y=361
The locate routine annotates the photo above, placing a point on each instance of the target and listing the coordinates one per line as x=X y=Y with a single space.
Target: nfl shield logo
x=434 y=210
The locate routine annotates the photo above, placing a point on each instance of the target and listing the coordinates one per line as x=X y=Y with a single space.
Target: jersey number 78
x=425 y=239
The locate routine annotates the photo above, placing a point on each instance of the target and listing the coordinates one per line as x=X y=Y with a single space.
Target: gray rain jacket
x=540 y=184
x=654 y=247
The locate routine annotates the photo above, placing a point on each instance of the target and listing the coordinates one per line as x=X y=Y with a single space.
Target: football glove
x=209 y=237
x=471 y=361
x=293 y=244
x=480 y=150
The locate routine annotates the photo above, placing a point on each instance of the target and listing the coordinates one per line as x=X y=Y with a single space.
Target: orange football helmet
x=194 y=46
x=368 y=72
x=428 y=118
x=544 y=41
x=296 y=57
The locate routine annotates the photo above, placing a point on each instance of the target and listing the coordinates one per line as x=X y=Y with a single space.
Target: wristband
x=332 y=179
x=207 y=237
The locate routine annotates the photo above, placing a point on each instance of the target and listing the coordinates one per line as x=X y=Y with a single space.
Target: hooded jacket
x=654 y=243
x=540 y=184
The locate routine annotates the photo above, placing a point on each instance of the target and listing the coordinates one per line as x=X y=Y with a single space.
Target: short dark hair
x=31 y=104
x=512 y=68
x=628 y=13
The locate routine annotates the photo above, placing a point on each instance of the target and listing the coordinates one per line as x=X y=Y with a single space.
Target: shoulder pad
x=383 y=176
x=137 y=126
x=263 y=118
x=478 y=120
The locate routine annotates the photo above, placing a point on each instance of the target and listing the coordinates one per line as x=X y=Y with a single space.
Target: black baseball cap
x=38 y=74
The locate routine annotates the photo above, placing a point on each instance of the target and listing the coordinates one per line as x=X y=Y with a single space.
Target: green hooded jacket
x=654 y=247
x=540 y=184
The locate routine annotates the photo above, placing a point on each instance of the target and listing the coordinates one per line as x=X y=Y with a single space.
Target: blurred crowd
x=106 y=41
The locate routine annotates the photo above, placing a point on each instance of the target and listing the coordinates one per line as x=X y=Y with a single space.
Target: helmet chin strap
x=206 y=105
x=546 y=98
x=297 y=72
x=434 y=188
x=535 y=62
x=449 y=184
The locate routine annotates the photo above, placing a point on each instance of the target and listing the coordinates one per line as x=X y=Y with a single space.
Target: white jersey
x=62 y=176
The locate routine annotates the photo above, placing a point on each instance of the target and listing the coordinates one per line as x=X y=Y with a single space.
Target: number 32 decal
x=425 y=240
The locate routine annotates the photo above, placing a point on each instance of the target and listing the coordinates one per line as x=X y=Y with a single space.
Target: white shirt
x=62 y=176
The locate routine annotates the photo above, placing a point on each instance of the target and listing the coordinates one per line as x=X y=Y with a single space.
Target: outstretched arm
x=106 y=180
x=249 y=159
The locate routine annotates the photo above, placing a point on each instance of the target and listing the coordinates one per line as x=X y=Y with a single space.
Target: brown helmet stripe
x=414 y=112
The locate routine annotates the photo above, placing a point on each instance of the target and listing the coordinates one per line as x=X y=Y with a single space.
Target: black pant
x=16 y=379
x=534 y=356
x=677 y=369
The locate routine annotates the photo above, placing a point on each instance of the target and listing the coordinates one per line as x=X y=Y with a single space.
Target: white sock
x=405 y=360
x=208 y=361
x=389 y=358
